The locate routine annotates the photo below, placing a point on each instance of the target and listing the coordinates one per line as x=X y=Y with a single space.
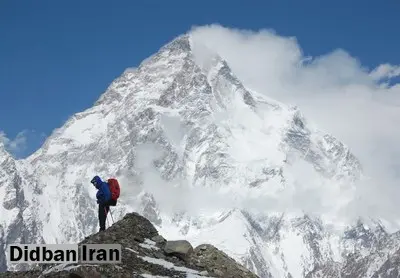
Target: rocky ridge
x=145 y=253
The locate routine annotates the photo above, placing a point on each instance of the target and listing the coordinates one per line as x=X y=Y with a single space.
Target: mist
x=337 y=93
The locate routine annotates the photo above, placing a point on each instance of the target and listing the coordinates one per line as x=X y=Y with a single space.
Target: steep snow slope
x=203 y=157
x=18 y=212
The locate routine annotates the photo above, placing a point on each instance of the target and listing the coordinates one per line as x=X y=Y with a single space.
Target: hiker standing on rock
x=107 y=195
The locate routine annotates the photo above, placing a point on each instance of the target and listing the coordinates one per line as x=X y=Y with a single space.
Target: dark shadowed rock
x=217 y=263
x=391 y=267
x=158 y=239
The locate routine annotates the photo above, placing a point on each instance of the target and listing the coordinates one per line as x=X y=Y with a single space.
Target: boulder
x=179 y=248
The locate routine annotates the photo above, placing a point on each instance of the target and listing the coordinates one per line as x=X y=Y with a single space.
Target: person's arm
x=100 y=196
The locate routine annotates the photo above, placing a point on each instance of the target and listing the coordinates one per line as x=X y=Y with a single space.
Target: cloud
x=16 y=145
x=20 y=146
x=336 y=92
x=385 y=71
x=178 y=195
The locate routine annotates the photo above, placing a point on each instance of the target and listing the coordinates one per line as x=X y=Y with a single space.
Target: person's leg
x=102 y=217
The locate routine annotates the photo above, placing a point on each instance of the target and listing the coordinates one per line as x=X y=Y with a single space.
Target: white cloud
x=385 y=71
x=18 y=146
x=336 y=92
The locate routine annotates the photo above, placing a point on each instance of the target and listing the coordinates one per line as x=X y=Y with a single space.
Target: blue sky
x=57 y=57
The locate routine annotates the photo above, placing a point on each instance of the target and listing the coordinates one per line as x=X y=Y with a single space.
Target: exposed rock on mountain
x=180 y=248
x=143 y=257
x=217 y=262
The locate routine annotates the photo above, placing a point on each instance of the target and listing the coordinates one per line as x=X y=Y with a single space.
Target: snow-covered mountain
x=205 y=158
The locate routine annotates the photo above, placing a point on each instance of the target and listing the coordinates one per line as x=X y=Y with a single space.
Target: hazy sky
x=57 y=57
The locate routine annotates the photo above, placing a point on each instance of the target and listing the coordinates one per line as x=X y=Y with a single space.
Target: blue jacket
x=103 y=194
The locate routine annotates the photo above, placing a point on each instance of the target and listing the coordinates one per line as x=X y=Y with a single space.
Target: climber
x=104 y=200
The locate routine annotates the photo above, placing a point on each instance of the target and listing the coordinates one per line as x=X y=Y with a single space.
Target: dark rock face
x=298 y=137
x=145 y=252
x=382 y=262
x=159 y=239
x=217 y=263
x=391 y=268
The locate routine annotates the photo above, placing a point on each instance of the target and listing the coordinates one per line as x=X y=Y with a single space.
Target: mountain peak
x=181 y=43
x=182 y=61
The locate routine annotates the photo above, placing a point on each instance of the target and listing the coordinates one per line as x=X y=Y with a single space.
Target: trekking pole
x=111 y=216
x=105 y=212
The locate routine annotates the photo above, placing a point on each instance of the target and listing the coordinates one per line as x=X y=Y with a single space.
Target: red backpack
x=114 y=188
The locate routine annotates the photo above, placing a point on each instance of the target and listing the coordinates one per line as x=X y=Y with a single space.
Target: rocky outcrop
x=145 y=253
x=217 y=263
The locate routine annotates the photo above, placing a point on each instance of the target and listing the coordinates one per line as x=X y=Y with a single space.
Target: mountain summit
x=205 y=158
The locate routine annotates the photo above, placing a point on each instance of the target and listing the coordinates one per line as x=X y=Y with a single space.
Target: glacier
x=206 y=159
